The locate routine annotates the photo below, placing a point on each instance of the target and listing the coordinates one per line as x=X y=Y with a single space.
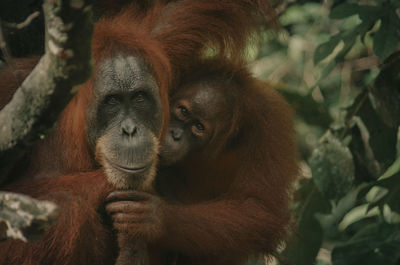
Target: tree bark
x=43 y=95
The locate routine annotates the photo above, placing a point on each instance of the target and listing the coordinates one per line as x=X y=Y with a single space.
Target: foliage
x=338 y=63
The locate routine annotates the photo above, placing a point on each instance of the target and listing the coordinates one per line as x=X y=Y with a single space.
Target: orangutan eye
x=199 y=126
x=112 y=100
x=199 y=129
x=139 y=97
x=184 y=111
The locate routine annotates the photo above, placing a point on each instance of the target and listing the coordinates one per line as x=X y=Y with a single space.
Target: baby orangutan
x=228 y=165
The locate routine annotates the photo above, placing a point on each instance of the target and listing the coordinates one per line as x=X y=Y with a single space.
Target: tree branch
x=43 y=95
x=25 y=23
x=25 y=218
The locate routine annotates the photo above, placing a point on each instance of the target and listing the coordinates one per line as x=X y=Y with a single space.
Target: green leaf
x=370 y=14
x=358 y=216
x=304 y=247
x=327 y=70
x=393 y=169
x=325 y=49
x=330 y=222
x=332 y=167
x=367 y=13
x=387 y=38
x=378 y=243
x=392 y=197
x=311 y=111
x=344 y=10
x=387 y=93
x=350 y=37
x=367 y=167
x=382 y=138
x=349 y=42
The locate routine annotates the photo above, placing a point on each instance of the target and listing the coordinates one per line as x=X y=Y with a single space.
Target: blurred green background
x=338 y=64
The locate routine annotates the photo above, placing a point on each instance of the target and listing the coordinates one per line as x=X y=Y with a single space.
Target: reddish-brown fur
x=79 y=236
x=239 y=202
x=177 y=33
x=67 y=147
x=12 y=76
x=231 y=200
x=249 y=215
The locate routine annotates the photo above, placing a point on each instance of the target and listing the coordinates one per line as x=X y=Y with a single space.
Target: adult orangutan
x=228 y=168
x=181 y=31
x=115 y=121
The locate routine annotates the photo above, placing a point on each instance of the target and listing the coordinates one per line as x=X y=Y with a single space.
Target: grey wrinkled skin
x=125 y=120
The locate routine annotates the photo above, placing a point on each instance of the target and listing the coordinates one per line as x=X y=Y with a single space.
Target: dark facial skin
x=195 y=114
x=125 y=121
